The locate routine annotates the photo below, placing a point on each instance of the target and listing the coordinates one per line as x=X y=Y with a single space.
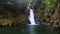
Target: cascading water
x=31 y=15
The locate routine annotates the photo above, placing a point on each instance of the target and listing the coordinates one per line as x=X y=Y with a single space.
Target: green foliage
x=47 y=5
x=44 y=10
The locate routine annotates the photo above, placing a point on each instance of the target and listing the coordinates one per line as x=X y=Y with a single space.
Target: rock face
x=13 y=12
x=16 y=12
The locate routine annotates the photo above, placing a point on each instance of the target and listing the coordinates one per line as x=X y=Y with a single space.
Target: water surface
x=27 y=29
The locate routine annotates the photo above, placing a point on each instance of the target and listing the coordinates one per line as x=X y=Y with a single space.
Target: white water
x=31 y=15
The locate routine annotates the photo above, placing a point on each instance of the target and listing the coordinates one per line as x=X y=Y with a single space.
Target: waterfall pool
x=27 y=29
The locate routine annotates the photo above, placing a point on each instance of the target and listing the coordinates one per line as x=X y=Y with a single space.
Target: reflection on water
x=32 y=30
x=27 y=29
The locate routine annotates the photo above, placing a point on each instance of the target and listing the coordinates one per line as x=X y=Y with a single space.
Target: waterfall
x=31 y=15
